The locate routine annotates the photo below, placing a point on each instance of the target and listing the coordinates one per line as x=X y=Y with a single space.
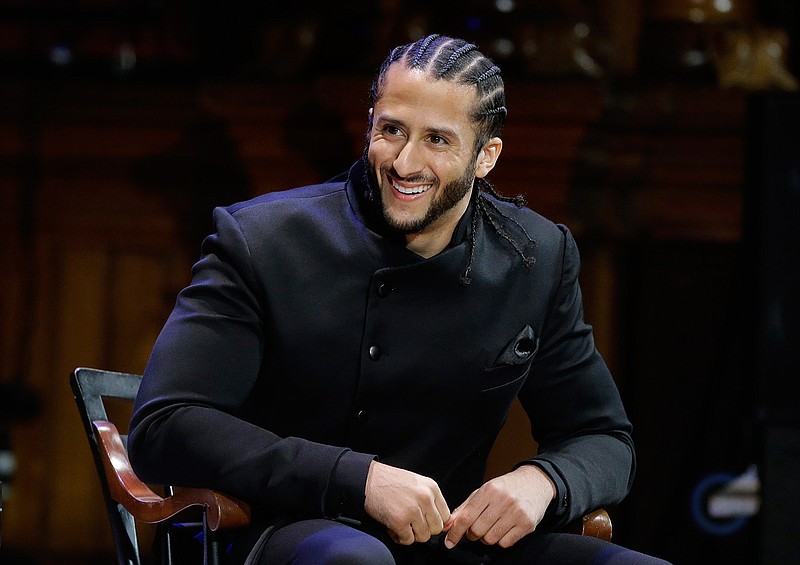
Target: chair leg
x=211 y=546
x=123 y=528
x=164 y=534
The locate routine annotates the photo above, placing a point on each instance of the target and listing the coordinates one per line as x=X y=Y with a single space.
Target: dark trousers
x=324 y=542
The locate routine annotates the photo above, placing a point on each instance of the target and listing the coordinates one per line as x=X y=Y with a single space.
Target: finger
x=420 y=527
x=454 y=527
x=462 y=518
x=435 y=523
x=489 y=529
x=511 y=537
x=421 y=533
x=450 y=521
x=483 y=524
x=439 y=515
x=420 y=530
x=441 y=506
x=406 y=537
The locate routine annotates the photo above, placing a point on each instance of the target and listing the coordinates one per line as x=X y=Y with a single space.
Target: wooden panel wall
x=98 y=261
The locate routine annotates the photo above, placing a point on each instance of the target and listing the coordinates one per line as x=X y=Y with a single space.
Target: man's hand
x=504 y=509
x=410 y=506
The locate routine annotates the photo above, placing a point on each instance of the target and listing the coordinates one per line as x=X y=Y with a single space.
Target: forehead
x=432 y=103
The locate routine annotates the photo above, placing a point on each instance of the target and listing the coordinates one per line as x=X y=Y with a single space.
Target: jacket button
x=384 y=290
x=374 y=352
x=361 y=417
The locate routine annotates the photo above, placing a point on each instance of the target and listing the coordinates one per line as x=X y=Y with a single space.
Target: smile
x=411 y=190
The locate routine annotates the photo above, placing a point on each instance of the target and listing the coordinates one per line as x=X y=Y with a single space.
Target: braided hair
x=456 y=60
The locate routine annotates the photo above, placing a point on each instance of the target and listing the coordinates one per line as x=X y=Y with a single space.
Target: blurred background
x=663 y=132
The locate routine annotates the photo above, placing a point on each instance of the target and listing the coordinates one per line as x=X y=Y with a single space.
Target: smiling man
x=346 y=353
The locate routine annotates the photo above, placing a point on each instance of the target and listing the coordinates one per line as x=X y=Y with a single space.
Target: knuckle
x=455 y=532
x=397 y=524
x=466 y=516
x=529 y=525
x=510 y=539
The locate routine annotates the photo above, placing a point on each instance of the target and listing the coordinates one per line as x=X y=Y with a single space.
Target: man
x=346 y=353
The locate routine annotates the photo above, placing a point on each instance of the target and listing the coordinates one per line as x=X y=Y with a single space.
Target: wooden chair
x=596 y=524
x=129 y=500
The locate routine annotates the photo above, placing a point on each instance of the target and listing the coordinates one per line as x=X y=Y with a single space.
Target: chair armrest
x=596 y=524
x=222 y=511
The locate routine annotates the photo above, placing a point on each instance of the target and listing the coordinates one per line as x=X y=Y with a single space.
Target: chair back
x=92 y=388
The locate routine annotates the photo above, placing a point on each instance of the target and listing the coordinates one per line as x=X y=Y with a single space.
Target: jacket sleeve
x=186 y=428
x=576 y=412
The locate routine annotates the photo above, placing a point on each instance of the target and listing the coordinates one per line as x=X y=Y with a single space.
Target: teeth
x=414 y=190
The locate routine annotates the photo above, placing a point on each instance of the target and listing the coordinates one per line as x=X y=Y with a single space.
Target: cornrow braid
x=498 y=110
x=486 y=186
x=455 y=56
x=464 y=279
x=528 y=260
x=422 y=49
x=487 y=209
x=495 y=70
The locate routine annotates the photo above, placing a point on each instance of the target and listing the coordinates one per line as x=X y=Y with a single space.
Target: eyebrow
x=436 y=130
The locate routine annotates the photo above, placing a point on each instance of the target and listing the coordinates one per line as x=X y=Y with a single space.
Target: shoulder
x=286 y=199
x=275 y=210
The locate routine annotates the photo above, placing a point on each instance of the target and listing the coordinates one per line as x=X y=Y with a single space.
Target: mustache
x=388 y=171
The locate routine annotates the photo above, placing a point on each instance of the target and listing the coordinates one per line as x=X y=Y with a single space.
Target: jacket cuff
x=557 y=511
x=346 y=494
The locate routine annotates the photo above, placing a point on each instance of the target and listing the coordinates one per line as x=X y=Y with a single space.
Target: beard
x=450 y=195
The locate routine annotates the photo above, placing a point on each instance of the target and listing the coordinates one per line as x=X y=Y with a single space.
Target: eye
x=391 y=129
x=437 y=139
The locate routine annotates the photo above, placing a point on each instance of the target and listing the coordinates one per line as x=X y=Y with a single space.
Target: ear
x=487 y=157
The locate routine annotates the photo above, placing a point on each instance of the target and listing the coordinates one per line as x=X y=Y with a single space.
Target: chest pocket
x=513 y=361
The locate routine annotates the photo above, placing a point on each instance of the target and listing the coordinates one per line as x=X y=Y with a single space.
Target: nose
x=409 y=161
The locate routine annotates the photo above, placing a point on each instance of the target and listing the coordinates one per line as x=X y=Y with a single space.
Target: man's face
x=422 y=150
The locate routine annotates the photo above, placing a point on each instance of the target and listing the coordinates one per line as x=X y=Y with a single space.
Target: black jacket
x=309 y=343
